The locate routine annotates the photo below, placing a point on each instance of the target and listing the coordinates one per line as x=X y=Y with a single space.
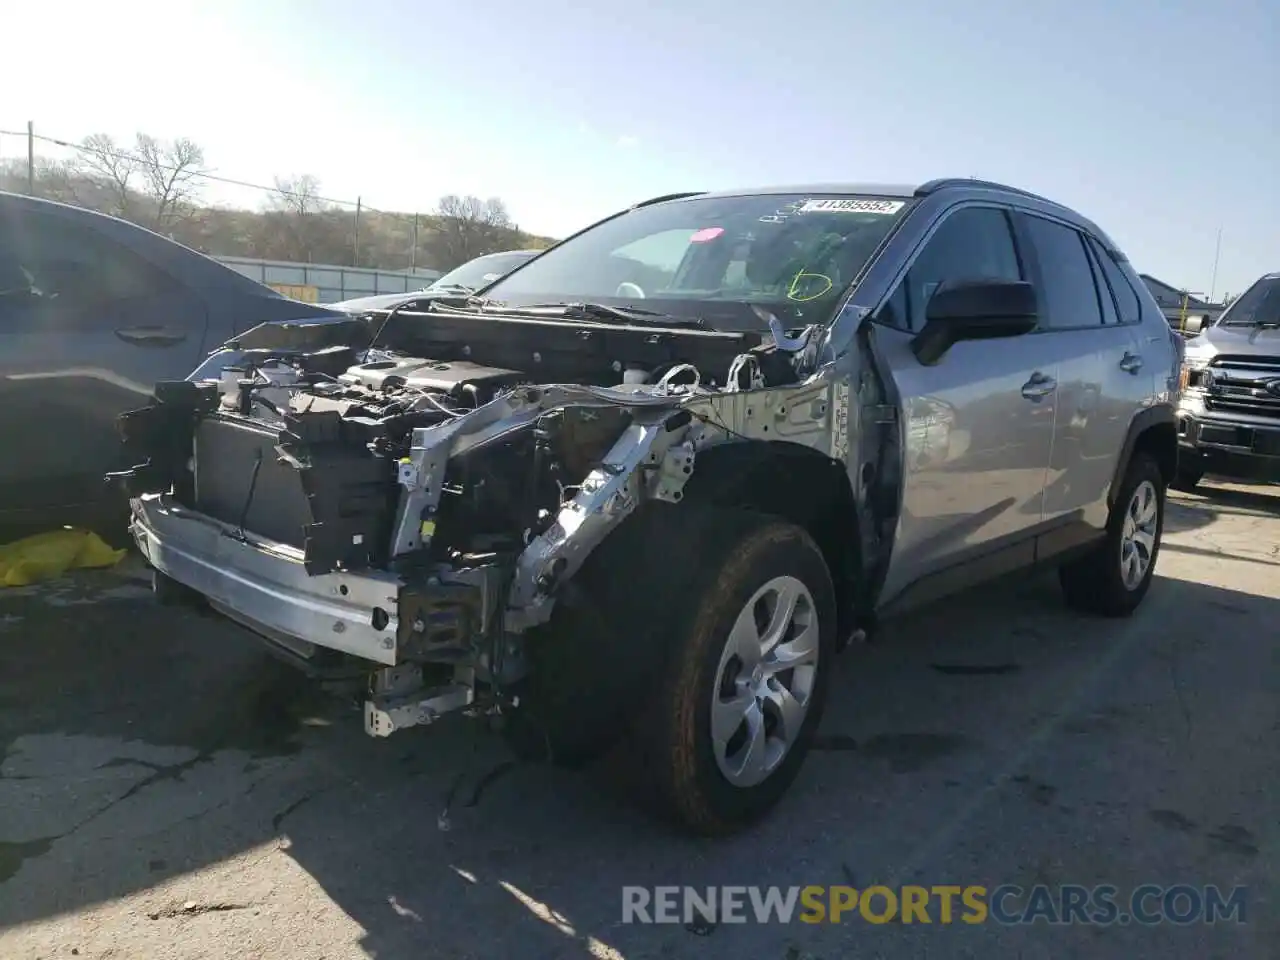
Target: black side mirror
x=974 y=310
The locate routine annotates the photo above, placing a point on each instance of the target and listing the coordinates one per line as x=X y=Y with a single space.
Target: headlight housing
x=1191 y=375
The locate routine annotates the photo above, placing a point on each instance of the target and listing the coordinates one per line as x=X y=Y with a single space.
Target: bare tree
x=298 y=194
x=298 y=223
x=103 y=161
x=171 y=174
x=155 y=184
x=467 y=227
x=53 y=180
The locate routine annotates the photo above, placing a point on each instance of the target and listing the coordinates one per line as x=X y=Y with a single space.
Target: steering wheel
x=629 y=289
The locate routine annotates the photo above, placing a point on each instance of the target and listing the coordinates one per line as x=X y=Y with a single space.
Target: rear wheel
x=1112 y=579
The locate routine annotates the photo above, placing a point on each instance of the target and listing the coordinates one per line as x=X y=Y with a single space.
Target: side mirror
x=974 y=310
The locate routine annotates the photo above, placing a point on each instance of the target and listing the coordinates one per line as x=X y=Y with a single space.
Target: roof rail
x=669 y=196
x=949 y=183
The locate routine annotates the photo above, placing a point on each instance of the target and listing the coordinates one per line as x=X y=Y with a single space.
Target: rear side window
x=974 y=243
x=69 y=266
x=1128 y=307
x=1070 y=296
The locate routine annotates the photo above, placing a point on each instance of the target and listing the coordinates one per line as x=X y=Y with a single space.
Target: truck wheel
x=741 y=694
x=1188 y=475
x=1112 y=579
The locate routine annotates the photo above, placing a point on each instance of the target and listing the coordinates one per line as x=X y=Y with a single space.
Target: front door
x=978 y=424
x=86 y=329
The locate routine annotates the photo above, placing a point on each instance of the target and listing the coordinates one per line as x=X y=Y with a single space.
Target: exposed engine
x=456 y=475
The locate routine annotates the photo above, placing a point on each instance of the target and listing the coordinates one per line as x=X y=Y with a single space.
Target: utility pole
x=355 y=244
x=31 y=158
x=1217 y=253
x=413 y=251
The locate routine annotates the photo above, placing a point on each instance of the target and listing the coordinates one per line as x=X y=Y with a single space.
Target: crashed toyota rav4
x=645 y=486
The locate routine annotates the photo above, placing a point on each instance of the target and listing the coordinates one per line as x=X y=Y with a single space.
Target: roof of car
x=904 y=190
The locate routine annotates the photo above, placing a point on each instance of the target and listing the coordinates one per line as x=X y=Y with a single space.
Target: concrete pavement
x=167 y=791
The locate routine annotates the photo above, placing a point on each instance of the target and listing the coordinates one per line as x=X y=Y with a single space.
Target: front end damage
x=410 y=521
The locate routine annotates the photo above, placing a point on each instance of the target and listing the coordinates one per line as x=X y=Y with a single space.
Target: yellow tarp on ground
x=48 y=555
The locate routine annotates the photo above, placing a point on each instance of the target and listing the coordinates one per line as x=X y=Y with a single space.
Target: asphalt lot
x=166 y=791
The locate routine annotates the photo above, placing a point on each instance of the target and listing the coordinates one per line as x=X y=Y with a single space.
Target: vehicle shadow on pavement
x=144 y=750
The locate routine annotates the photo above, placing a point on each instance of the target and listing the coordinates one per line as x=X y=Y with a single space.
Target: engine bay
x=453 y=479
x=308 y=445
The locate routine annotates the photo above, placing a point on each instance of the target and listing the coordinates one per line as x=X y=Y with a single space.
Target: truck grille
x=1242 y=384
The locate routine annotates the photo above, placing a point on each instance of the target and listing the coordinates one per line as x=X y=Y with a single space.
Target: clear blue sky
x=1159 y=120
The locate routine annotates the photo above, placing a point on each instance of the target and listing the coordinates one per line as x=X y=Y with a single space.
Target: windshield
x=474 y=274
x=1260 y=304
x=713 y=257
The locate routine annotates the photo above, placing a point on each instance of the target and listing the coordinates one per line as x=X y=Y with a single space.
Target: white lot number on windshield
x=852 y=205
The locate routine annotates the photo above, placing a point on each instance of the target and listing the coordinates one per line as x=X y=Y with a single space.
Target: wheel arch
x=797 y=484
x=1152 y=431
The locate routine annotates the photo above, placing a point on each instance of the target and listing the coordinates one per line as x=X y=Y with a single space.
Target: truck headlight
x=1193 y=375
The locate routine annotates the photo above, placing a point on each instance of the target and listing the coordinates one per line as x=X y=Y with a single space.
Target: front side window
x=973 y=243
x=1070 y=296
x=713 y=257
x=474 y=274
x=54 y=263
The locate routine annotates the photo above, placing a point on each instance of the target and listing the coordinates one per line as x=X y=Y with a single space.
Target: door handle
x=1131 y=363
x=150 y=336
x=1039 y=387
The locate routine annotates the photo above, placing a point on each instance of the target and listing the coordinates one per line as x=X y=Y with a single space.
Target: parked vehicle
x=463 y=280
x=1229 y=413
x=775 y=417
x=93 y=311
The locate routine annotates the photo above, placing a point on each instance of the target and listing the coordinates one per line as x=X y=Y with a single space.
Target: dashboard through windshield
x=715 y=257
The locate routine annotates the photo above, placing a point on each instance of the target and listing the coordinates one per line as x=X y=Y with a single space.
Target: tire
x=590 y=668
x=1188 y=474
x=1096 y=583
x=757 y=560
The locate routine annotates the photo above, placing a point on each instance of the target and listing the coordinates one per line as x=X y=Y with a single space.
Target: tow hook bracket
x=383 y=716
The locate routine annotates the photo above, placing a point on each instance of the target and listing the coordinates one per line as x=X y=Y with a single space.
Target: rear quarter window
x=1128 y=306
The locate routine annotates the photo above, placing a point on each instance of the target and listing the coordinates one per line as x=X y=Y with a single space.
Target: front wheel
x=1112 y=579
x=1189 y=473
x=734 y=715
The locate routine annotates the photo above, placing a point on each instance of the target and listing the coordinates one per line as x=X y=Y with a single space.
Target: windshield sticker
x=808 y=286
x=785 y=213
x=706 y=235
x=853 y=205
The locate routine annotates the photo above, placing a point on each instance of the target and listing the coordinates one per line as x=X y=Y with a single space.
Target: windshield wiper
x=606 y=314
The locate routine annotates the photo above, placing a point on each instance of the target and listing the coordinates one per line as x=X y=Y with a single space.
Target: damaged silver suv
x=646 y=486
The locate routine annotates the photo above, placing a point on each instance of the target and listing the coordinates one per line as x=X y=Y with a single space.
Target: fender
x=1160 y=418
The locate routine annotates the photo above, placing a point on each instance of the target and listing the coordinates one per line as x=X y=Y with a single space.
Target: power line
x=202 y=174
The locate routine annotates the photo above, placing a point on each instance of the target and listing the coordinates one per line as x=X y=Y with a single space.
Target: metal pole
x=1217 y=253
x=413 y=251
x=31 y=158
x=355 y=246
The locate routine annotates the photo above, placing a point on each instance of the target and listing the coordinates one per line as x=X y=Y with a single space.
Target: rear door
x=86 y=328
x=1103 y=377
